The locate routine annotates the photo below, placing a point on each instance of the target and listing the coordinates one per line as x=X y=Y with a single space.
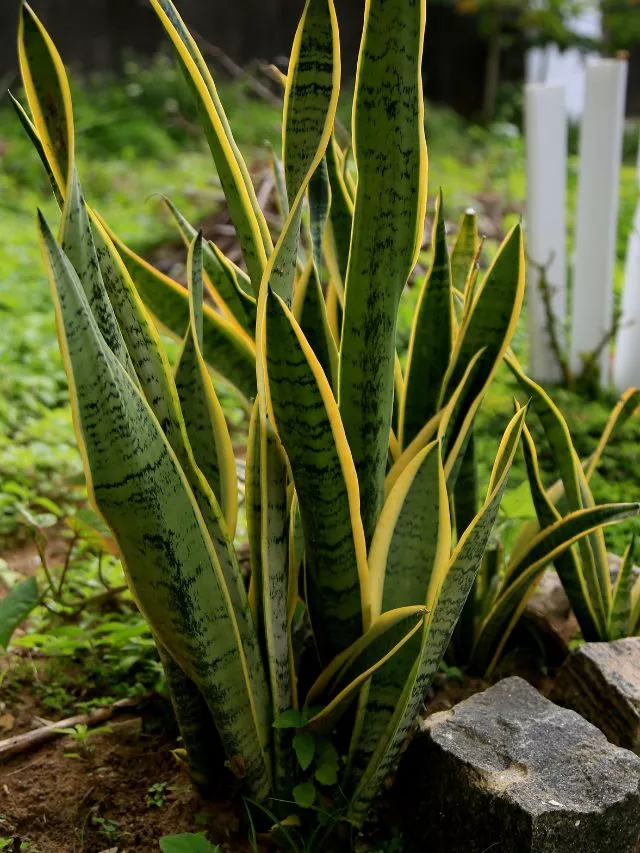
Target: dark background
x=94 y=34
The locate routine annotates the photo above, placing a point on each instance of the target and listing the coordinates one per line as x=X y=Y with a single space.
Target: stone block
x=601 y=681
x=507 y=771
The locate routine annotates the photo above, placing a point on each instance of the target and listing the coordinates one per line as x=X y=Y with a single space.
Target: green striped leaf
x=309 y=109
x=409 y=552
x=171 y=564
x=309 y=425
x=465 y=249
x=159 y=389
x=489 y=325
x=311 y=311
x=276 y=588
x=567 y=564
x=388 y=636
x=203 y=416
x=316 y=46
x=228 y=351
x=48 y=95
x=79 y=247
x=431 y=338
x=248 y=219
x=309 y=303
x=620 y=616
x=197 y=729
x=439 y=426
x=465 y=508
x=595 y=566
x=142 y=341
x=544 y=548
x=319 y=193
x=450 y=587
x=221 y=278
x=391 y=157
x=278 y=180
x=253 y=511
x=32 y=133
x=413 y=532
x=310 y=104
x=340 y=216
x=360 y=656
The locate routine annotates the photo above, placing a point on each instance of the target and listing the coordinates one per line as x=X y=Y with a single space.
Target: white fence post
x=626 y=365
x=546 y=156
x=597 y=209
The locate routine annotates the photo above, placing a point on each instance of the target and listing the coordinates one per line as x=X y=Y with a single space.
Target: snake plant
x=604 y=609
x=311 y=674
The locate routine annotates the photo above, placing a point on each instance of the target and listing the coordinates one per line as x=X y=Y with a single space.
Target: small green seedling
x=157 y=795
x=108 y=827
x=81 y=733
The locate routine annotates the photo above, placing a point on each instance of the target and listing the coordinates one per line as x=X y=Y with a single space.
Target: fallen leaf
x=7 y=722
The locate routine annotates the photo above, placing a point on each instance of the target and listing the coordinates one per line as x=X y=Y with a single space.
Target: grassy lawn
x=137 y=140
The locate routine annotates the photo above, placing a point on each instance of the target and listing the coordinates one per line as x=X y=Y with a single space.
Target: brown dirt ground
x=51 y=799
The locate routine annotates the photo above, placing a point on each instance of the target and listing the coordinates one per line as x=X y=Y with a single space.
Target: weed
x=157 y=795
x=81 y=735
x=108 y=827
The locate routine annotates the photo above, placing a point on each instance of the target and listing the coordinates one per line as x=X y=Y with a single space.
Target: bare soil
x=63 y=798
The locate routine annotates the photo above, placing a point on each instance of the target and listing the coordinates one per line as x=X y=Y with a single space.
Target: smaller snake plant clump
x=309 y=678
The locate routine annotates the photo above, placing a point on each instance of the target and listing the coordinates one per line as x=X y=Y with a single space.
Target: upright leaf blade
x=544 y=548
x=276 y=587
x=204 y=419
x=620 y=616
x=171 y=565
x=244 y=209
x=341 y=214
x=567 y=564
x=595 y=565
x=490 y=323
x=48 y=95
x=220 y=278
x=464 y=251
x=409 y=551
x=449 y=589
x=431 y=339
x=391 y=156
x=325 y=482
x=78 y=245
x=32 y=133
x=310 y=104
x=227 y=349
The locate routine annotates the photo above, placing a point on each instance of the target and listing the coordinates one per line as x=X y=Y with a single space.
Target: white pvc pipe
x=597 y=209
x=626 y=366
x=546 y=155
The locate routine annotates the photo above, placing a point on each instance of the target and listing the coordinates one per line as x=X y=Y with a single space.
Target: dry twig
x=29 y=740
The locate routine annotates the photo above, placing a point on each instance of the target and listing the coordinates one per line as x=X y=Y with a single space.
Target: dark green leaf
x=290 y=719
x=305 y=748
x=327 y=774
x=15 y=608
x=187 y=842
x=305 y=794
